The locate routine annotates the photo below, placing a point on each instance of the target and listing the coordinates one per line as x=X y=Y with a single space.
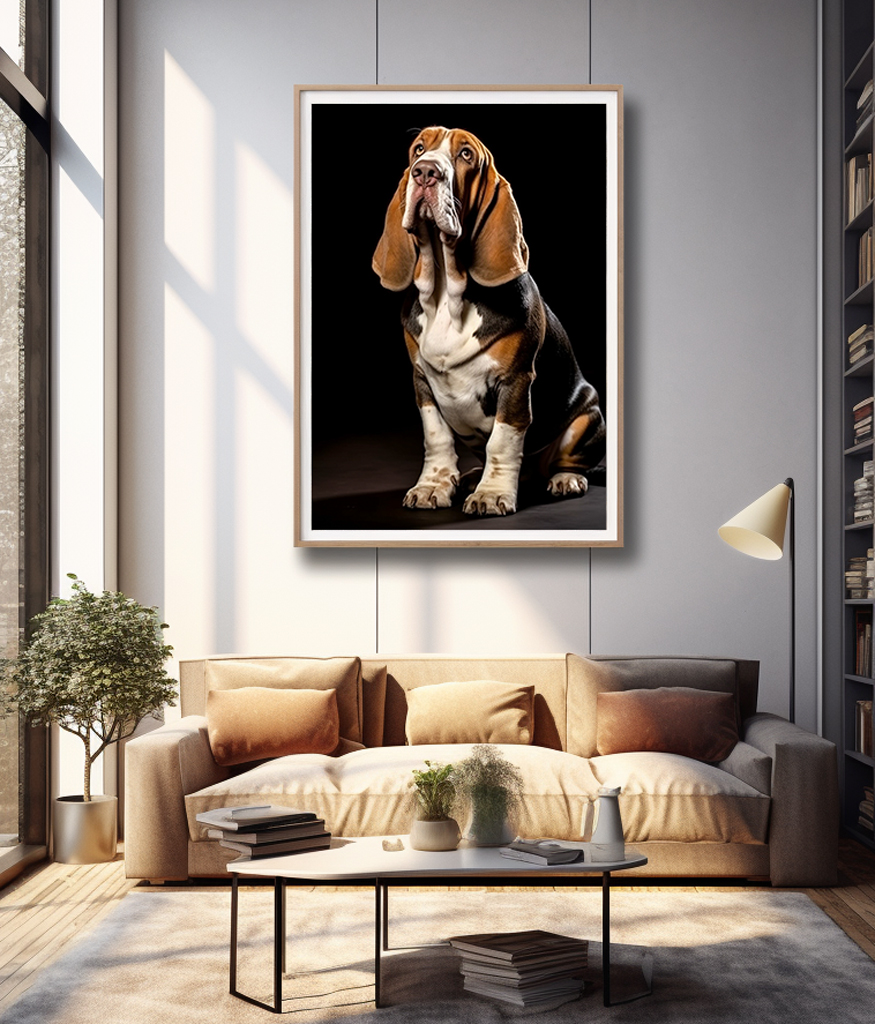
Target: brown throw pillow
x=479 y=711
x=700 y=724
x=258 y=722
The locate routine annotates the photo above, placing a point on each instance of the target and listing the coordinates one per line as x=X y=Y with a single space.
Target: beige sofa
x=768 y=810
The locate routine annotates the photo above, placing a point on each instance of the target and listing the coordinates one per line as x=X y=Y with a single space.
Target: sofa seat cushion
x=669 y=797
x=369 y=792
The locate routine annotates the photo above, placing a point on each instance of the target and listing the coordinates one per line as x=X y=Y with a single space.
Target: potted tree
x=94 y=665
x=491 y=787
x=433 y=828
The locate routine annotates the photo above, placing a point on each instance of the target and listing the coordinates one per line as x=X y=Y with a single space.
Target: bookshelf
x=858 y=387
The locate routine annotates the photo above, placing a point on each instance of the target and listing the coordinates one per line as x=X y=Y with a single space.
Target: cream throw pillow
x=478 y=711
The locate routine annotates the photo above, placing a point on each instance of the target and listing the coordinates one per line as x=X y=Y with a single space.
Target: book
x=863 y=727
x=317 y=842
x=539 y=852
x=273 y=834
x=525 y=999
x=516 y=946
x=236 y=819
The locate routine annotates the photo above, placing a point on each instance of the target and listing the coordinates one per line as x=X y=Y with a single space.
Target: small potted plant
x=433 y=828
x=94 y=665
x=491 y=787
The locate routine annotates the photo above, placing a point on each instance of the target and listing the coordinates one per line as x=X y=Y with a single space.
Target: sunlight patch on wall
x=189 y=480
x=263 y=252
x=262 y=519
x=189 y=175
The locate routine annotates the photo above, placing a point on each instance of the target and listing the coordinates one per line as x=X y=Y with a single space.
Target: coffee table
x=364 y=860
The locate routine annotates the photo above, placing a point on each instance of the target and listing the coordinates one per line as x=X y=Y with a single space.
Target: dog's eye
x=418 y=148
x=466 y=153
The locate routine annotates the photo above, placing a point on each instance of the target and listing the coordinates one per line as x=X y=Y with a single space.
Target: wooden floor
x=44 y=910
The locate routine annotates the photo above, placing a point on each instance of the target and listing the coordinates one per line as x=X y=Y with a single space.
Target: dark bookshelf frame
x=857 y=383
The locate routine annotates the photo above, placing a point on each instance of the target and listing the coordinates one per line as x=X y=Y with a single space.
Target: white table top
x=366 y=858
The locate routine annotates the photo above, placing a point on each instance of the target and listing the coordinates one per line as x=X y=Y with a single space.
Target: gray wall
x=721 y=342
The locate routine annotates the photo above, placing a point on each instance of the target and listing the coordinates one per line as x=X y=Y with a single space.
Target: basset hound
x=491 y=363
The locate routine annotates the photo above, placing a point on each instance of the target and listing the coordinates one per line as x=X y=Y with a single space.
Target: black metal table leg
x=279 y=935
x=606 y=935
x=379 y=911
x=279 y=942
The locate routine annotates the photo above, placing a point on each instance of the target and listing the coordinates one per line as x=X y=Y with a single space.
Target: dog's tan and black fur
x=492 y=365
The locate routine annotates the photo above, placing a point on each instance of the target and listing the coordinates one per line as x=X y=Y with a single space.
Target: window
x=24 y=141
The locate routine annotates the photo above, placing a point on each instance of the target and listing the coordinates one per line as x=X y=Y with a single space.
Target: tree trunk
x=87 y=741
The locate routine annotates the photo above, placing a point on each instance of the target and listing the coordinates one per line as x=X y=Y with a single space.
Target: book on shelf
x=863 y=646
x=867 y=810
x=860 y=573
x=860 y=343
x=865 y=264
x=321 y=841
x=863 y=727
x=864 y=104
x=271 y=834
x=544 y=851
x=253 y=817
x=858 y=184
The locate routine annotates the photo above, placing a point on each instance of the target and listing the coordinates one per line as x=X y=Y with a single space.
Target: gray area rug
x=162 y=958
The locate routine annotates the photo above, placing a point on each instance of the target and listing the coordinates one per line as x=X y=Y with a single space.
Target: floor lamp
x=758 y=530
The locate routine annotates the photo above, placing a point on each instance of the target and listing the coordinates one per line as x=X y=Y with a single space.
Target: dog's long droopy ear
x=395 y=256
x=500 y=252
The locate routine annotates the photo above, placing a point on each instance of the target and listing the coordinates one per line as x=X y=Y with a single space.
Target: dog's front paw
x=490 y=503
x=430 y=495
x=567 y=485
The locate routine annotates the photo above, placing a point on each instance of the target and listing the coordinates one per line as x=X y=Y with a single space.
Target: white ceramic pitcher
x=606 y=835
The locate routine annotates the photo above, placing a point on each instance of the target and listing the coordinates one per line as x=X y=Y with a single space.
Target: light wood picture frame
x=536 y=175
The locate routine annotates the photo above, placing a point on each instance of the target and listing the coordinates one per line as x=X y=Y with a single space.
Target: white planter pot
x=84 y=833
x=435 y=835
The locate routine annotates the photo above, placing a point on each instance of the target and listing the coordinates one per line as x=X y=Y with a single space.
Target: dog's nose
x=427 y=173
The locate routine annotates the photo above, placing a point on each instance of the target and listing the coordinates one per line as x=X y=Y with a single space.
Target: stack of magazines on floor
x=265 y=830
x=523 y=968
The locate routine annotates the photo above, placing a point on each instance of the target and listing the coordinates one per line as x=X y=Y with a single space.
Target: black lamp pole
x=789 y=483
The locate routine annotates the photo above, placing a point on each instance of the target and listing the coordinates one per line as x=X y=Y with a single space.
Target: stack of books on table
x=523 y=968
x=265 y=830
x=860 y=344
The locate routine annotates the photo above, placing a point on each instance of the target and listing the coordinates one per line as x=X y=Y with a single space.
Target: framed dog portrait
x=459 y=340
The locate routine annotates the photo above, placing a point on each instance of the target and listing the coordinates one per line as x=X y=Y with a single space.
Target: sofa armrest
x=160 y=768
x=804 y=826
x=751 y=766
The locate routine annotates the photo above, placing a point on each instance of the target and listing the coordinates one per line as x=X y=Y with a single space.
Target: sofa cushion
x=341 y=674
x=370 y=792
x=675 y=719
x=587 y=677
x=257 y=722
x=475 y=711
x=668 y=797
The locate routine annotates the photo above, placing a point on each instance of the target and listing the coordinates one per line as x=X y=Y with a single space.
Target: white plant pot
x=435 y=835
x=84 y=833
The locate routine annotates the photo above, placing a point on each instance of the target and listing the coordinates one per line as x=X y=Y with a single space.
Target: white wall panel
x=207 y=388
x=456 y=601
x=479 y=42
x=721 y=343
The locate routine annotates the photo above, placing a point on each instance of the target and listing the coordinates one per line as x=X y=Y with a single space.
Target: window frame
x=27 y=94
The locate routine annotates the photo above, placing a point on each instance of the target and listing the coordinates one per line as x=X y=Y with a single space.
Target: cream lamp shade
x=758 y=530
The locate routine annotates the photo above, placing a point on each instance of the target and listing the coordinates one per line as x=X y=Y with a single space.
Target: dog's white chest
x=445 y=342
x=458 y=369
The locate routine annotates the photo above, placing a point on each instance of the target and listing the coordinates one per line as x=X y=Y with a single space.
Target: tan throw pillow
x=479 y=711
x=341 y=674
x=258 y=722
x=699 y=724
